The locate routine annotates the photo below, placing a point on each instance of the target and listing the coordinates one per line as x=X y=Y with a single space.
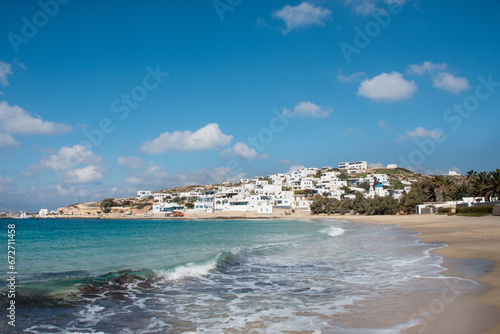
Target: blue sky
x=100 y=99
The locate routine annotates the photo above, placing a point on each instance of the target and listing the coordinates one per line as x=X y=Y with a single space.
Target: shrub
x=189 y=205
x=141 y=206
x=481 y=210
x=444 y=211
x=106 y=204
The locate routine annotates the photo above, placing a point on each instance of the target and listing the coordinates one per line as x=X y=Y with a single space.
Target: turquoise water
x=217 y=276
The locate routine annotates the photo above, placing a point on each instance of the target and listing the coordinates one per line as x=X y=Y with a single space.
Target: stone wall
x=496 y=210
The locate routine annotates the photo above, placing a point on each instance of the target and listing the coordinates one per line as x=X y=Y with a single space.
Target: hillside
x=135 y=206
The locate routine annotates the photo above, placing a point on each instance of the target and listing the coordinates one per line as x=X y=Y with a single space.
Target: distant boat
x=23 y=215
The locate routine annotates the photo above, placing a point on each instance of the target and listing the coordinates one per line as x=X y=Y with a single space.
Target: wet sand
x=475 y=311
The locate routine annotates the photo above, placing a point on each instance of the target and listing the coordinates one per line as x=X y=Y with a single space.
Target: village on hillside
x=274 y=195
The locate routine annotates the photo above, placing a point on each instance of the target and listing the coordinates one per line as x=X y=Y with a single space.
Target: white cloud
x=350 y=78
x=208 y=176
x=426 y=67
x=295 y=168
x=377 y=165
x=425 y=171
x=286 y=162
x=353 y=131
x=261 y=22
x=156 y=177
x=387 y=86
x=5 y=182
x=63 y=191
x=450 y=83
x=302 y=15
x=69 y=157
x=242 y=151
x=153 y=175
x=15 y=120
x=7 y=140
x=309 y=109
x=208 y=137
x=5 y=71
x=130 y=162
x=384 y=126
x=366 y=7
x=89 y=174
x=420 y=132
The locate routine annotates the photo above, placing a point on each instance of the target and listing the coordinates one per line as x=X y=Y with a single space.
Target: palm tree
x=471 y=174
x=493 y=188
x=461 y=191
x=479 y=183
x=441 y=187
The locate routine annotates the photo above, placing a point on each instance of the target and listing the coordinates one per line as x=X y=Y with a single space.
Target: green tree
x=190 y=205
x=318 y=204
x=493 y=189
x=416 y=196
x=442 y=188
x=346 y=189
x=479 y=183
x=461 y=191
x=344 y=175
x=332 y=206
x=365 y=185
x=106 y=204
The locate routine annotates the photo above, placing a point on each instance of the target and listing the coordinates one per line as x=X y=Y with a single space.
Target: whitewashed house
x=160 y=197
x=357 y=165
x=204 y=204
x=300 y=202
x=283 y=199
x=168 y=207
x=378 y=190
x=141 y=194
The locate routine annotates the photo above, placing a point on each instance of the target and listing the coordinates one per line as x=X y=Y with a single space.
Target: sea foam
x=191 y=269
x=333 y=231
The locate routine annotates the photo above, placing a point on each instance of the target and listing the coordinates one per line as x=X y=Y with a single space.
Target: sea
x=220 y=276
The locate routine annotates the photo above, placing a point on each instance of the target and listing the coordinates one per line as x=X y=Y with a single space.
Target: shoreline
x=472 y=251
x=469 y=241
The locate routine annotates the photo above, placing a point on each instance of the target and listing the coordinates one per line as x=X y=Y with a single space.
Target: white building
x=283 y=199
x=264 y=208
x=300 y=202
x=204 y=204
x=357 y=165
x=377 y=191
x=392 y=166
x=160 y=197
x=329 y=176
x=143 y=194
x=167 y=208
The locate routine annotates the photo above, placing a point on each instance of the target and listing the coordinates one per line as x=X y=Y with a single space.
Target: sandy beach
x=467 y=238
